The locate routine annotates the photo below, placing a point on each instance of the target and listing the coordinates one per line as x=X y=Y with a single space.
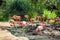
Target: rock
x=5 y=35
x=47 y=32
x=57 y=33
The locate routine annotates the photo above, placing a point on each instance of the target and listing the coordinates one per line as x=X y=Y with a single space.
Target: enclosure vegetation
x=33 y=8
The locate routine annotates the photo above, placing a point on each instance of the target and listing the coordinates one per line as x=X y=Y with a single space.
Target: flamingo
x=48 y=20
x=31 y=20
x=26 y=16
x=11 y=22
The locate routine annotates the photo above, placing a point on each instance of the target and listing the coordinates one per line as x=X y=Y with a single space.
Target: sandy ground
x=5 y=24
x=5 y=35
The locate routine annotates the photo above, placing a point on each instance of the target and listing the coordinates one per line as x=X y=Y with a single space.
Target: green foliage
x=49 y=14
x=32 y=14
x=1 y=15
x=51 y=21
x=30 y=7
x=53 y=14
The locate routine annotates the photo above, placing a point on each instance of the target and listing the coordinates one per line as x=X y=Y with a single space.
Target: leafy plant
x=48 y=14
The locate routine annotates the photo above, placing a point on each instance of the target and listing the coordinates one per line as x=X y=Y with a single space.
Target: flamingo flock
x=17 y=19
